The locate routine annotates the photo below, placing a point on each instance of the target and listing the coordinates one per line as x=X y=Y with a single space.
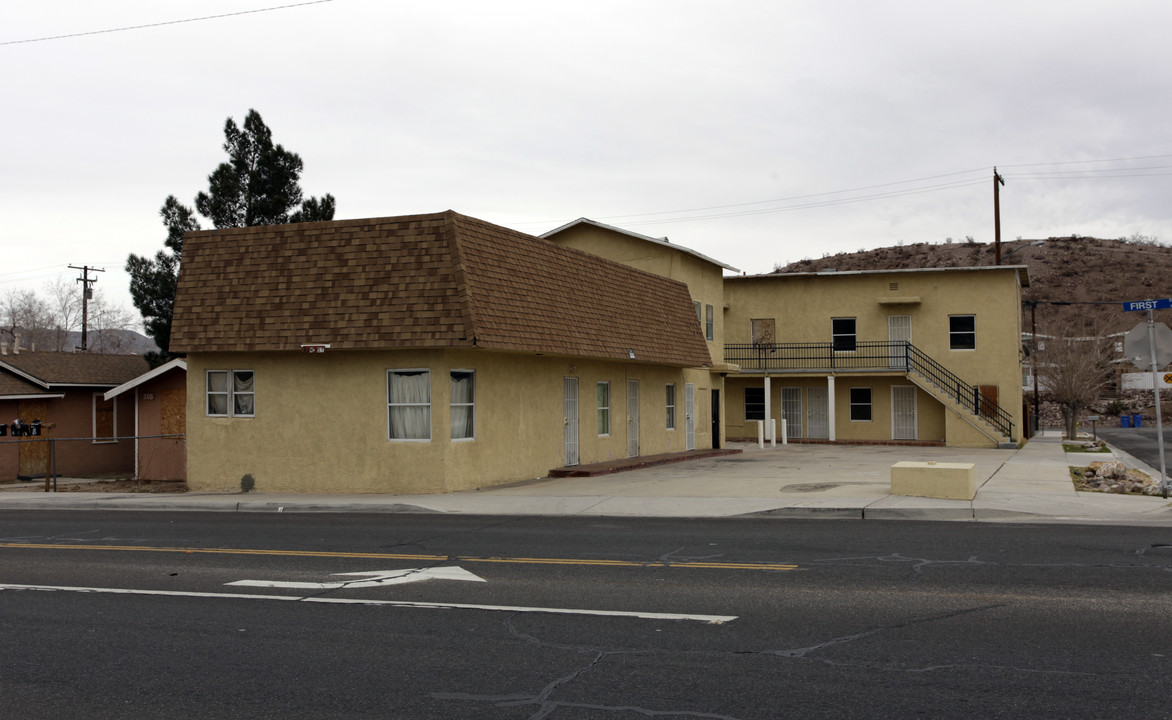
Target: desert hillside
x=1094 y=275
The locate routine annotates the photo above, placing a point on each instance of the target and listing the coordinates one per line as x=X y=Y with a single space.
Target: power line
x=165 y=22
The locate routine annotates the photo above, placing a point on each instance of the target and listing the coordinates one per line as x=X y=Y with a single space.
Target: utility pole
x=87 y=292
x=998 y=181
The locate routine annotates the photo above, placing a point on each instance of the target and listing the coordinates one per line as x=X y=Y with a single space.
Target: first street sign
x=1134 y=305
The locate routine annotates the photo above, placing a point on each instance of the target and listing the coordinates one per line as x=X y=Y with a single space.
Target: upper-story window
x=962 y=332
x=842 y=334
x=709 y=323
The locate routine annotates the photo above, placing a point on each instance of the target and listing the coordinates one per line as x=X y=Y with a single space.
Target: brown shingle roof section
x=58 y=368
x=441 y=280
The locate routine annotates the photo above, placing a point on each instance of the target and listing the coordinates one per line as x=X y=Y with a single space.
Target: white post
x=784 y=433
x=761 y=434
x=773 y=433
x=830 y=403
x=1156 y=390
x=768 y=403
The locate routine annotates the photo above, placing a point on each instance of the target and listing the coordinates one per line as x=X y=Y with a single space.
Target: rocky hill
x=1074 y=278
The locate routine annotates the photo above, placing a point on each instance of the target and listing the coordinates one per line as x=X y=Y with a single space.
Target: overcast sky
x=755 y=132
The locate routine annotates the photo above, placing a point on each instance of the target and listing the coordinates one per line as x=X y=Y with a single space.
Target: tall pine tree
x=259 y=185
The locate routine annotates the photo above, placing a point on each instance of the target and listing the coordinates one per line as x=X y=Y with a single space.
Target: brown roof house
x=64 y=394
x=423 y=354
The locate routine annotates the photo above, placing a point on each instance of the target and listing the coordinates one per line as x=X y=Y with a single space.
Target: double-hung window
x=671 y=406
x=409 y=404
x=604 y=408
x=709 y=323
x=861 y=404
x=962 y=332
x=231 y=393
x=463 y=404
x=754 y=403
x=842 y=334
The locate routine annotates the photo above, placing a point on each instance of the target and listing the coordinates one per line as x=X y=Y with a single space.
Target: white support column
x=830 y=406
x=768 y=409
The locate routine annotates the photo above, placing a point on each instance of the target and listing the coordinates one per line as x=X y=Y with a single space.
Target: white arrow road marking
x=710 y=619
x=377 y=578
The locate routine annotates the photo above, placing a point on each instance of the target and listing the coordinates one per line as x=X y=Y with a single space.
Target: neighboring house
x=924 y=356
x=64 y=391
x=423 y=354
x=704 y=279
x=160 y=420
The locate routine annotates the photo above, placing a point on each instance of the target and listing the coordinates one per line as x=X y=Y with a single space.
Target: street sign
x=1134 y=305
x=1138 y=349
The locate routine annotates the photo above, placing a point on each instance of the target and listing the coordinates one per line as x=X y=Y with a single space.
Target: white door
x=903 y=412
x=689 y=416
x=570 y=412
x=899 y=330
x=791 y=410
x=817 y=413
x=632 y=418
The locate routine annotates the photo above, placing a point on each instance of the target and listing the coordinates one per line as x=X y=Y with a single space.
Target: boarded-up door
x=34 y=453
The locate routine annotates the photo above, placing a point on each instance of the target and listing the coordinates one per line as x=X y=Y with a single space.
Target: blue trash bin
x=1137 y=420
x=1124 y=421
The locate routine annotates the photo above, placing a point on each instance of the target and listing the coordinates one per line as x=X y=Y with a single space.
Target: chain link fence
x=150 y=463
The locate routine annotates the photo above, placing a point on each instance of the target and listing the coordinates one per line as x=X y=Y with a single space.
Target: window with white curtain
x=409 y=404
x=231 y=393
x=463 y=404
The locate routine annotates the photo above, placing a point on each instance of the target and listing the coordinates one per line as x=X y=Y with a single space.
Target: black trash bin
x=34 y=428
x=3 y=429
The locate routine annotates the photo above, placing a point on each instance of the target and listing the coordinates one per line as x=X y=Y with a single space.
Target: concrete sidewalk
x=795 y=481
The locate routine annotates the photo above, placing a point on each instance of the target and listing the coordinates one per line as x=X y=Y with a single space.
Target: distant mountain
x=1072 y=278
x=114 y=342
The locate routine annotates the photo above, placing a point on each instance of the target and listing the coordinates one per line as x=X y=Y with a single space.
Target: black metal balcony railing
x=868 y=355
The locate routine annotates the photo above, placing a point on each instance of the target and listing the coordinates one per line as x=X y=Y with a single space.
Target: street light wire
x=163 y=23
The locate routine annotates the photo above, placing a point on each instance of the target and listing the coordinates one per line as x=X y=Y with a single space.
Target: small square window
x=231 y=393
x=962 y=332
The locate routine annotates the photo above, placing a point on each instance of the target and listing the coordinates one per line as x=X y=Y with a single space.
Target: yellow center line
x=411 y=557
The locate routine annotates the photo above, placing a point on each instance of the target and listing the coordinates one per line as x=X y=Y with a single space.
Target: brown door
x=34 y=452
x=988 y=400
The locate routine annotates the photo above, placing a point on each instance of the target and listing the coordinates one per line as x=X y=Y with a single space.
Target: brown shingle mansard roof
x=423 y=281
x=53 y=369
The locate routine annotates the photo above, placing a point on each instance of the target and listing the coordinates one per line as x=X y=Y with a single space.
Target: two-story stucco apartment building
x=434 y=353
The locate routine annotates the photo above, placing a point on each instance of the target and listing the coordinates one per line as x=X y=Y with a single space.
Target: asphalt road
x=114 y=615
x=1142 y=443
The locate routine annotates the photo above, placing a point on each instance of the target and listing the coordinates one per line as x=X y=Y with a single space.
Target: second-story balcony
x=819 y=357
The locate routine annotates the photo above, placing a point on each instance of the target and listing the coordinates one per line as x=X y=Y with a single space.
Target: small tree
x=1074 y=367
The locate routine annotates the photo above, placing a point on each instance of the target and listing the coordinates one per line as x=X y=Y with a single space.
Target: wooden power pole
x=998 y=181
x=86 y=293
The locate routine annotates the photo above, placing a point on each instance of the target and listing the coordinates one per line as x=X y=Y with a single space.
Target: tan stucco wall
x=321 y=421
x=704 y=279
x=803 y=306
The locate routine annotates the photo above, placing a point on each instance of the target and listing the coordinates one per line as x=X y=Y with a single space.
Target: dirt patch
x=125 y=486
